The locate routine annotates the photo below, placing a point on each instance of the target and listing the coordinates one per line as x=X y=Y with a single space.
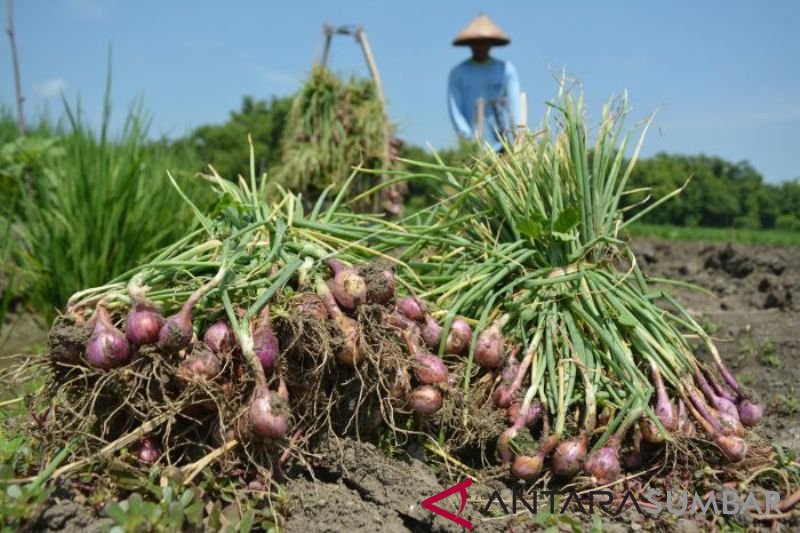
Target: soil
x=753 y=310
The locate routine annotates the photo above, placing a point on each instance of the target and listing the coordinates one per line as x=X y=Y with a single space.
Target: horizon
x=723 y=76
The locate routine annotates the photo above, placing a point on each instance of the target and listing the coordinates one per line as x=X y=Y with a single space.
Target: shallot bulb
x=202 y=365
x=310 y=305
x=148 y=451
x=459 y=337
x=176 y=332
x=569 y=456
x=269 y=415
x=107 y=347
x=219 y=337
x=381 y=290
x=527 y=467
x=431 y=332
x=603 y=464
x=348 y=351
x=425 y=400
x=347 y=285
x=489 y=349
x=143 y=324
x=412 y=308
x=750 y=413
x=265 y=343
x=430 y=369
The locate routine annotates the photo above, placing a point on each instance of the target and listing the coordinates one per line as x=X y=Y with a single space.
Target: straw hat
x=482 y=28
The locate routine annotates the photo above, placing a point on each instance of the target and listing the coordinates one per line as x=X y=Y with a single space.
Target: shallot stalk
x=107 y=347
x=349 y=352
x=749 y=411
x=665 y=408
x=732 y=446
x=176 y=333
x=728 y=424
x=347 y=285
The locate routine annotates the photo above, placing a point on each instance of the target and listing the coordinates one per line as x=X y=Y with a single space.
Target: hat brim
x=469 y=41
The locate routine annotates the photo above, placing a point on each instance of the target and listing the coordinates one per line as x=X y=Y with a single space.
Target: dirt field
x=754 y=314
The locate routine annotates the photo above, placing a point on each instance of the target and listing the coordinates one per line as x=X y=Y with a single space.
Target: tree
x=225 y=146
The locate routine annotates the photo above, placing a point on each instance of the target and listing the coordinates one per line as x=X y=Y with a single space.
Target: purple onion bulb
x=347 y=285
x=425 y=400
x=107 y=347
x=750 y=413
x=176 y=332
x=459 y=337
x=269 y=416
x=431 y=332
x=143 y=324
x=148 y=451
x=603 y=464
x=489 y=349
x=430 y=369
x=219 y=337
x=569 y=455
x=412 y=308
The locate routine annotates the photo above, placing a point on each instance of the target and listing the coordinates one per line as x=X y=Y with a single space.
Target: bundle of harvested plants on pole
x=591 y=371
x=334 y=126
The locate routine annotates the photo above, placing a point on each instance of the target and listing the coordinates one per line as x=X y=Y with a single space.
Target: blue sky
x=724 y=75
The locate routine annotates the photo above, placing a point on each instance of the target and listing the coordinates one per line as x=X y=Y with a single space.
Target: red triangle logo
x=461 y=489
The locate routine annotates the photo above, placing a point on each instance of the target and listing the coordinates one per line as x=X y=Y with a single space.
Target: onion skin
x=265 y=343
x=203 y=365
x=431 y=332
x=348 y=352
x=219 y=337
x=176 y=333
x=430 y=369
x=650 y=432
x=750 y=413
x=603 y=464
x=531 y=417
x=733 y=447
x=425 y=400
x=527 y=467
x=412 y=308
x=148 y=451
x=310 y=305
x=382 y=292
x=107 y=347
x=143 y=324
x=569 y=455
x=664 y=408
x=489 y=350
x=347 y=285
x=459 y=337
x=269 y=416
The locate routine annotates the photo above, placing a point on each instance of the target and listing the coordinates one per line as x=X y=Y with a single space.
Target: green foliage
x=90 y=204
x=722 y=194
x=696 y=233
x=172 y=513
x=225 y=147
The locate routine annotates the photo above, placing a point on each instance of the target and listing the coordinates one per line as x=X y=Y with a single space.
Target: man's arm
x=455 y=103
x=513 y=95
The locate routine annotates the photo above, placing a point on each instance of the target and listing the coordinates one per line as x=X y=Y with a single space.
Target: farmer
x=482 y=78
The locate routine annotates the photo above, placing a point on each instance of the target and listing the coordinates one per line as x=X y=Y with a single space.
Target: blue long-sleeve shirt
x=496 y=82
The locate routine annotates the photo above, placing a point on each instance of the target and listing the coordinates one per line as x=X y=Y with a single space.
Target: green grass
x=91 y=205
x=745 y=236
